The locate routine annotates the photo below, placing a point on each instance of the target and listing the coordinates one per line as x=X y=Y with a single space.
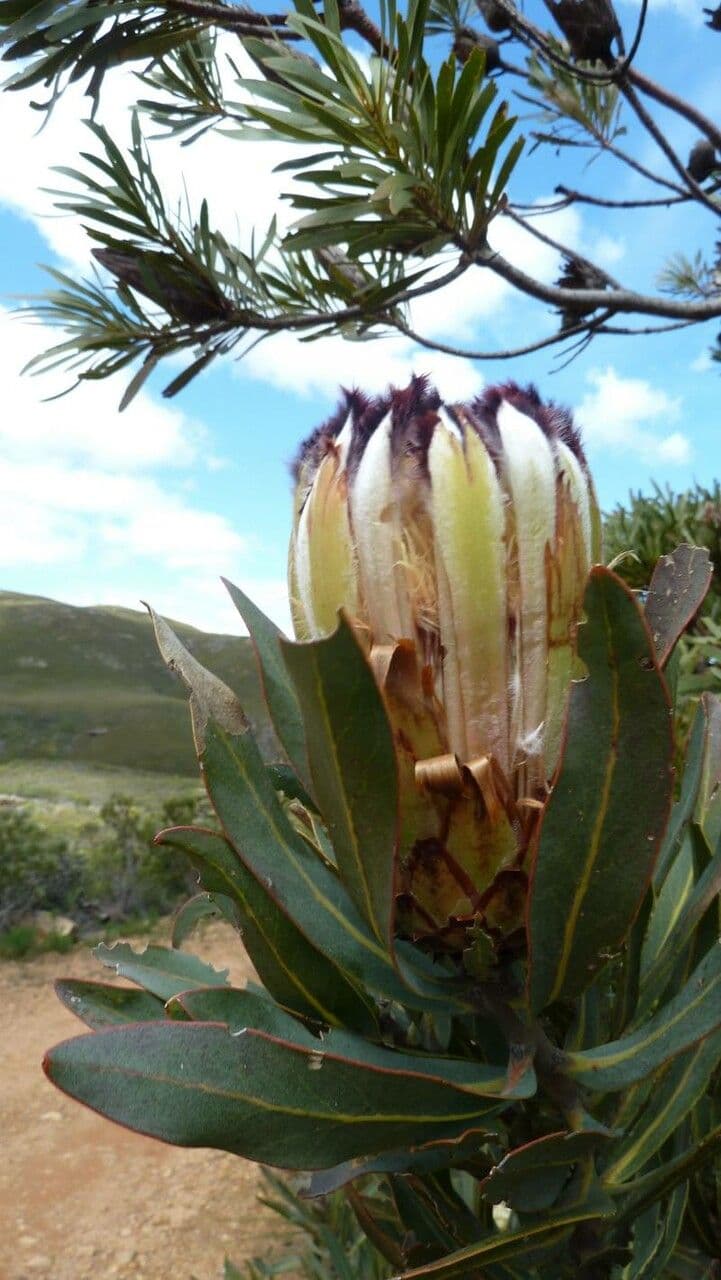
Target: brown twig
x=662 y=142
x=682 y=108
x=625 y=301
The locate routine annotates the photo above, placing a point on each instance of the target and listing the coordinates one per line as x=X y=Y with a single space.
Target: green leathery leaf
x=247 y=1007
x=668 y=1105
x=430 y=1235
x=669 y=904
x=425 y=1158
x=159 y=970
x=502 y=1246
x=628 y=984
x=210 y=698
x=304 y=886
x=278 y=689
x=288 y=1105
x=237 y=1008
x=673 y=1219
x=382 y=1229
x=708 y=813
x=656 y=1185
x=353 y=766
x=603 y=824
x=531 y=1178
x=692 y=909
x=693 y=1014
x=200 y=907
x=676 y=592
x=683 y=810
x=284 y=779
x=100 y=1005
x=290 y=965
x=688 y=1264
x=647 y=1235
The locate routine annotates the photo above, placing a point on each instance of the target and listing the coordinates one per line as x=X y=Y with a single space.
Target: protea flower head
x=458 y=539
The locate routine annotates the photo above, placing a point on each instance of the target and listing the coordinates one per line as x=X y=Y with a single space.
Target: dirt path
x=81 y=1198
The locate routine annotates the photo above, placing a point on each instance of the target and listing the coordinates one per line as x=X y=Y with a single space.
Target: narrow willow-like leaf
x=658 y=1184
x=602 y=828
x=694 y=1013
x=159 y=970
x=200 y=907
x=532 y=1177
x=683 y=810
x=419 y=1216
x=99 y=1005
x=655 y=1237
x=306 y=889
x=506 y=1245
x=278 y=690
x=668 y=1105
x=353 y=765
x=692 y=908
x=295 y=1107
x=295 y=971
x=677 y=590
x=423 y=1158
x=689 y=1264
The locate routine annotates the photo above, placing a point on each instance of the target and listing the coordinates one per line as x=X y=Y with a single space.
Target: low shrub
x=38 y=869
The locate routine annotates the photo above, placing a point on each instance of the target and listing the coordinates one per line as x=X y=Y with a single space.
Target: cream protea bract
x=458 y=539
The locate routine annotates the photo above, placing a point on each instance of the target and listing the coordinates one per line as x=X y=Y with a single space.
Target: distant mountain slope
x=87 y=684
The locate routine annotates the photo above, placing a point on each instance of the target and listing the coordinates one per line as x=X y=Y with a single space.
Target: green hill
x=87 y=686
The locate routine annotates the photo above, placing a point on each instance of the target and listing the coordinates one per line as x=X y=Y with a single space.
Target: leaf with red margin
x=194 y=1084
x=353 y=766
x=278 y=691
x=100 y=1005
x=602 y=827
x=677 y=590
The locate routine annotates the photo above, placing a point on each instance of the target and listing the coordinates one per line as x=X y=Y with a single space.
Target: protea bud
x=458 y=539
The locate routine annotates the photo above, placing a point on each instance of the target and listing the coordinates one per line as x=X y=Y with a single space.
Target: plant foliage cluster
x=405 y=165
x=575 y=1083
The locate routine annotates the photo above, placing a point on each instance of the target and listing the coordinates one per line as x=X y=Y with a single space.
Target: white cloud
x=703 y=363
x=237 y=179
x=621 y=414
x=608 y=250
x=86 y=423
x=198 y=599
x=321 y=368
x=95 y=501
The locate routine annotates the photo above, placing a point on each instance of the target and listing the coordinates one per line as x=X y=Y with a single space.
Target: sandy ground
x=81 y=1198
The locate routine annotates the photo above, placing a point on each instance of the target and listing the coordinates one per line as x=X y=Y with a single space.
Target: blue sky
x=157 y=503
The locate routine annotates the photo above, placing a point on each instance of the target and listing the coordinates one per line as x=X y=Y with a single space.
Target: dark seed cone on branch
x=578 y=275
x=590 y=27
x=185 y=295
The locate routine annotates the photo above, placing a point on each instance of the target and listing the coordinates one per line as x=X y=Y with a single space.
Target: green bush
x=111 y=871
x=126 y=874
x=652 y=525
x=23 y=940
x=38 y=870
x=330 y=1243
x=635 y=536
